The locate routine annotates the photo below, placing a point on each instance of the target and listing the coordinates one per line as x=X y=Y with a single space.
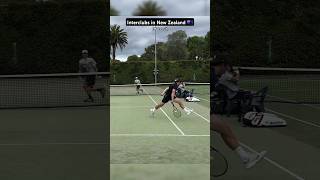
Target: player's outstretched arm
x=164 y=91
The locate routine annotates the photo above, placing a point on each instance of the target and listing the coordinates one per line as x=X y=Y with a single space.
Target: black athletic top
x=213 y=78
x=171 y=87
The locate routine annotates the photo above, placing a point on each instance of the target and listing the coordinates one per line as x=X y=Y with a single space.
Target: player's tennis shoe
x=103 y=92
x=88 y=100
x=254 y=159
x=152 y=111
x=187 y=110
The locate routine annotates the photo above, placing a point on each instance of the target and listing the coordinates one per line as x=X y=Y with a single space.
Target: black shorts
x=90 y=80
x=138 y=87
x=166 y=98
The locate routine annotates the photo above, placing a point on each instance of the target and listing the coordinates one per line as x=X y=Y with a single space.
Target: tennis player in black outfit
x=169 y=94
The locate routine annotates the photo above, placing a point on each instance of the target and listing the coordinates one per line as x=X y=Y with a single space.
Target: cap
x=84 y=51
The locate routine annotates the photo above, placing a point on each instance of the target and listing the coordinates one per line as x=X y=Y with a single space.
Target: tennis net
x=198 y=89
x=288 y=85
x=51 y=90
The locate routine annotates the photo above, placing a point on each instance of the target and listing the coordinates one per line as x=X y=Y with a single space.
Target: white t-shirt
x=181 y=86
x=226 y=80
x=87 y=65
x=232 y=86
x=137 y=82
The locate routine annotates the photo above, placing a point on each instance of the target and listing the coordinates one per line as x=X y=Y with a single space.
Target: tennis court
x=293 y=151
x=48 y=132
x=159 y=147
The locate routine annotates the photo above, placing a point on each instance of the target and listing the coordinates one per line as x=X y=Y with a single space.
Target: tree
x=148 y=54
x=207 y=45
x=113 y=11
x=161 y=52
x=149 y=8
x=177 y=45
x=119 y=39
x=133 y=58
x=196 y=47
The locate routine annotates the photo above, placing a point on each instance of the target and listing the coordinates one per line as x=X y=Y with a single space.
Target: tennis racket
x=219 y=163
x=176 y=111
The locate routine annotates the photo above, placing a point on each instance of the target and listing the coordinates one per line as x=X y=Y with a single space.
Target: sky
x=172 y=7
x=140 y=37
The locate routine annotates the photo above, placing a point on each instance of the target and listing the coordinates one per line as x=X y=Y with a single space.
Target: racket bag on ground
x=261 y=119
x=192 y=99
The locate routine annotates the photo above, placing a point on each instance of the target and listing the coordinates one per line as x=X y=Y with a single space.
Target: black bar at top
x=160 y=21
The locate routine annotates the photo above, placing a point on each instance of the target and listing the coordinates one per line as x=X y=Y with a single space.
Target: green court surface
x=201 y=93
x=161 y=147
x=293 y=151
x=54 y=143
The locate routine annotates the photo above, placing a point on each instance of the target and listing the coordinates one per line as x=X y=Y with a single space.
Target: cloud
x=141 y=37
x=172 y=7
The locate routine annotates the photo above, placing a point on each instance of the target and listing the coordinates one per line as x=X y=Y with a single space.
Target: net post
x=155 y=56
x=156 y=71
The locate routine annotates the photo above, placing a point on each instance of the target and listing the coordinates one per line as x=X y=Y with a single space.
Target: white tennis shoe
x=152 y=111
x=187 y=110
x=254 y=159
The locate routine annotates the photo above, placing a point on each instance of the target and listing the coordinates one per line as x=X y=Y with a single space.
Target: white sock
x=244 y=156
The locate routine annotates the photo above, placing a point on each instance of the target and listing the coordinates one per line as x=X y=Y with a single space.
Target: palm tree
x=149 y=8
x=119 y=39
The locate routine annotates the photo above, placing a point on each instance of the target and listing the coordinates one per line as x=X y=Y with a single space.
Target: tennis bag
x=261 y=119
x=192 y=99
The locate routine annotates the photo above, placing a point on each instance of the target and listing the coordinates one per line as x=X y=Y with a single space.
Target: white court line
x=39 y=144
x=117 y=135
x=201 y=116
x=293 y=118
x=176 y=126
x=159 y=135
x=273 y=162
x=137 y=107
x=204 y=99
x=276 y=164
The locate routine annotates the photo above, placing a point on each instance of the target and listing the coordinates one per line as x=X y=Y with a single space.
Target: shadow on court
x=57 y=143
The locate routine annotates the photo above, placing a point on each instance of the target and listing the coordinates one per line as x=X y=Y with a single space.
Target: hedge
x=50 y=36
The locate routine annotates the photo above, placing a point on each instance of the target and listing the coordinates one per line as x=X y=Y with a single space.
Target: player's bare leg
x=226 y=133
x=187 y=110
x=88 y=90
x=102 y=92
x=157 y=107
